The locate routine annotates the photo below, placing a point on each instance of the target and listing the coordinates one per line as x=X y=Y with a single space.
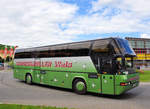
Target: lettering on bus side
x=46 y=64
x=25 y=63
x=64 y=65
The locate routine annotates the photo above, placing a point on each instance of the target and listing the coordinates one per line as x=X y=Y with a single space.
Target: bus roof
x=40 y=48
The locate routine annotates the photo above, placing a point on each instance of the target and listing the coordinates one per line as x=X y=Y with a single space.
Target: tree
x=8 y=59
x=1 y=60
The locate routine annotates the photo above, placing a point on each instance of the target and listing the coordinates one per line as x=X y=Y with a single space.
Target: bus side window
x=23 y=55
x=79 y=49
x=43 y=54
x=58 y=51
x=106 y=66
x=97 y=62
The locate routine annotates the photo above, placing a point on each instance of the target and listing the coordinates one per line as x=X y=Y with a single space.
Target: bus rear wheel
x=28 y=79
x=79 y=86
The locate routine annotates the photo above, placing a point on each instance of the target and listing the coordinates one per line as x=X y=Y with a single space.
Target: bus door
x=94 y=79
x=37 y=68
x=107 y=77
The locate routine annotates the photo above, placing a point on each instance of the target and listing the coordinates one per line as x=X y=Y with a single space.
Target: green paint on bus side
x=108 y=84
x=63 y=76
x=131 y=79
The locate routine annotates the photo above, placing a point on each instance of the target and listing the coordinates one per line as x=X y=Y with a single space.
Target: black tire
x=28 y=79
x=81 y=92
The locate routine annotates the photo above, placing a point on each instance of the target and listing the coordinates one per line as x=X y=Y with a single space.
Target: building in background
x=6 y=53
x=141 y=46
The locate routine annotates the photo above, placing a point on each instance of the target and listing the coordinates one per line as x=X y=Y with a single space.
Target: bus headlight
x=123 y=84
x=126 y=72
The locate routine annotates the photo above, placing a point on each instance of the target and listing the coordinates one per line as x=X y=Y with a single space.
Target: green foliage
x=145 y=76
x=10 y=63
x=16 y=106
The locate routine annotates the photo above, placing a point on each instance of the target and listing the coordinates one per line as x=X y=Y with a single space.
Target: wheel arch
x=28 y=73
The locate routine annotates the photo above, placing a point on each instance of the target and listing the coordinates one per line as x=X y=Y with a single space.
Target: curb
x=144 y=83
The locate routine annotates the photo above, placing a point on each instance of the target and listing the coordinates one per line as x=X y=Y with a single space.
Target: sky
x=31 y=23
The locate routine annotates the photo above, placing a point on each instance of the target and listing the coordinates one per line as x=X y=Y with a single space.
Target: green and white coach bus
x=102 y=66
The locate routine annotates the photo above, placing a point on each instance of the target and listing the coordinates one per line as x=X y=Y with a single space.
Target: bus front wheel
x=28 y=79
x=79 y=86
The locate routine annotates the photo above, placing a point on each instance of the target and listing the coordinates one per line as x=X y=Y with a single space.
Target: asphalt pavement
x=15 y=91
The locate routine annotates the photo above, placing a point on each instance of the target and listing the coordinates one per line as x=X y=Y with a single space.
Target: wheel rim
x=80 y=86
x=28 y=79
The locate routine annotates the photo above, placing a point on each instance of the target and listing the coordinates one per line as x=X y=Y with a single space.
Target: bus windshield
x=124 y=64
x=125 y=46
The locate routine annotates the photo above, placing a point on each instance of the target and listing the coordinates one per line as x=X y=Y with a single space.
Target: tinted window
x=102 y=50
x=23 y=55
x=54 y=51
x=125 y=47
x=106 y=65
x=79 y=49
x=100 y=47
x=113 y=48
x=74 y=49
x=45 y=53
x=58 y=51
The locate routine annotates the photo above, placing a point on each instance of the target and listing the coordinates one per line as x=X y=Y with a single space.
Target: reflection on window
x=79 y=49
x=140 y=44
x=147 y=44
x=127 y=63
x=132 y=43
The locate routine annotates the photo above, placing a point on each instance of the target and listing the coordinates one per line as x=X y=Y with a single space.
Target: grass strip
x=18 y=106
x=144 y=76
